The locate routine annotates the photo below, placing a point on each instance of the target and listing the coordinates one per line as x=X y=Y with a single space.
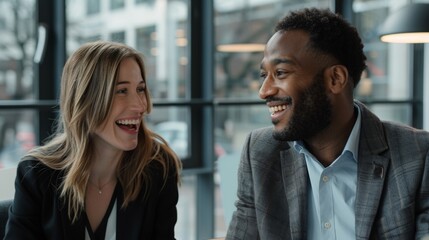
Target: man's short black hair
x=329 y=34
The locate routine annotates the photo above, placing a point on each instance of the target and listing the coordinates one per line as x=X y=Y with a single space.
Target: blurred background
x=202 y=59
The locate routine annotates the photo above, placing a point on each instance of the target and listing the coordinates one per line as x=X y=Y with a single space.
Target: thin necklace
x=100 y=189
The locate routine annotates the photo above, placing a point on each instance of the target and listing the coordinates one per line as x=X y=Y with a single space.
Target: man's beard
x=311 y=113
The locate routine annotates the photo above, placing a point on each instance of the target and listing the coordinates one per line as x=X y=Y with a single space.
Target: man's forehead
x=286 y=47
x=293 y=47
x=287 y=43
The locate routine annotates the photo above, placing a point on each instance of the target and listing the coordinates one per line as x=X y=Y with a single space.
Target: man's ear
x=337 y=78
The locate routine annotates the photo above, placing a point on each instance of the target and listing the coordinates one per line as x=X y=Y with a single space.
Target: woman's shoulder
x=32 y=164
x=35 y=172
x=163 y=168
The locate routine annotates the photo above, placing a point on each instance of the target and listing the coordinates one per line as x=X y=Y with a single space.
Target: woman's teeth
x=128 y=122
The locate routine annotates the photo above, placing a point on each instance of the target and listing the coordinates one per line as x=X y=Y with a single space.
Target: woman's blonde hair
x=87 y=88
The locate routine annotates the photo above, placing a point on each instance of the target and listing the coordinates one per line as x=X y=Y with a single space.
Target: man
x=329 y=169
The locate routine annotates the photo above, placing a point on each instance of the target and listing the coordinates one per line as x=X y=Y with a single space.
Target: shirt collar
x=352 y=144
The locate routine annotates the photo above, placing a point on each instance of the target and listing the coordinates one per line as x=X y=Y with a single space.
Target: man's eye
x=281 y=72
x=262 y=75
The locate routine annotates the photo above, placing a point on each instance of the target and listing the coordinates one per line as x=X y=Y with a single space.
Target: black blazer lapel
x=70 y=231
x=131 y=215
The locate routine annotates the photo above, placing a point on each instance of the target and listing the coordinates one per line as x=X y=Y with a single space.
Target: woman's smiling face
x=120 y=129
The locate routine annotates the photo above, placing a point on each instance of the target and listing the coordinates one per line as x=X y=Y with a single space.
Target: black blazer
x=38 y=212
x=4 y=211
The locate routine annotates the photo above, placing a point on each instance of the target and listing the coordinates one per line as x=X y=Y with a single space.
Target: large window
x=17 y=80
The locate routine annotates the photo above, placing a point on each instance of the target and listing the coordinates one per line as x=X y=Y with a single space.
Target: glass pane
x=17 y=135
x=232 y=123
x=161 y=35
x=242 y=29
x=387 y=76
x=118 y=37
x=92 y=7
x=17 y=44
x=145 y=1
x=401 y=113
x=186 y=210
x=172 y=124
x=116 y=4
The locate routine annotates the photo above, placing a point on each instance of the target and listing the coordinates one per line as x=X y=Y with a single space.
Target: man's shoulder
x=405 y=132
x=373 y=126
x=262 y=135
x=264 y=132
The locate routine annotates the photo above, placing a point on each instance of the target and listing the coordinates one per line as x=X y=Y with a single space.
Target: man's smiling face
x=293 y=87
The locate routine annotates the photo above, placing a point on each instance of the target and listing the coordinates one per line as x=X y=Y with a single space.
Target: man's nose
x=267 y=88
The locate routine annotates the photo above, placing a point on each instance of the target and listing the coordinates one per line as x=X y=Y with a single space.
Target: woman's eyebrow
x=127 y=82
x=122 y=82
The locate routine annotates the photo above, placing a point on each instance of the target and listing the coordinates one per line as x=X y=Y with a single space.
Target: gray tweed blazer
x=392 y=196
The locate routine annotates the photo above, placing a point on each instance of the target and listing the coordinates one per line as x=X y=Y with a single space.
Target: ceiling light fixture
x=409 y=24
x=241 y=47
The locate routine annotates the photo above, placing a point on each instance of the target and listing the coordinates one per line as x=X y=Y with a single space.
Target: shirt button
x=327 y=225
x=325 y=178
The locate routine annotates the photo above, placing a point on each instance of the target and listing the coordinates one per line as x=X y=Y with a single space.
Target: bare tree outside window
x=17 y=28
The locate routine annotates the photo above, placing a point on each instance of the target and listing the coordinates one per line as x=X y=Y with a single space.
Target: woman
x=104 y=174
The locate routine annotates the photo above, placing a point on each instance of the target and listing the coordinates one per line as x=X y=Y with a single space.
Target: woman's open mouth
x=129 y=124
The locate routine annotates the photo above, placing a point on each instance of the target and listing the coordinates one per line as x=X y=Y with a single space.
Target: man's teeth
x=129 y=122
x=277 y=108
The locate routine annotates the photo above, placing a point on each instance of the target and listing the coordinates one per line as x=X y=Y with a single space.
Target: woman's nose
x=138 y=102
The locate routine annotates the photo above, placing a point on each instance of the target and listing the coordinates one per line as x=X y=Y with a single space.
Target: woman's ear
x=337 y=78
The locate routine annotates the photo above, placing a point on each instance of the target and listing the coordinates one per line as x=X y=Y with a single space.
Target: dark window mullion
x=50 y=13
x=417 y=84
x=202 y=139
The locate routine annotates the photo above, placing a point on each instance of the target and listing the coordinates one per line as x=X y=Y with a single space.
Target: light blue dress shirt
x=332 y=191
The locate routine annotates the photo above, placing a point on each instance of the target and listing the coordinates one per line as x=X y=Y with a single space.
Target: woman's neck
x=103 y=167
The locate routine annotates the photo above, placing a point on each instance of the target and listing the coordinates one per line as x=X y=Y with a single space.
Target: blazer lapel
x=295 y=178
x=70 y=231
x=372 y=166
x=131 y=215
